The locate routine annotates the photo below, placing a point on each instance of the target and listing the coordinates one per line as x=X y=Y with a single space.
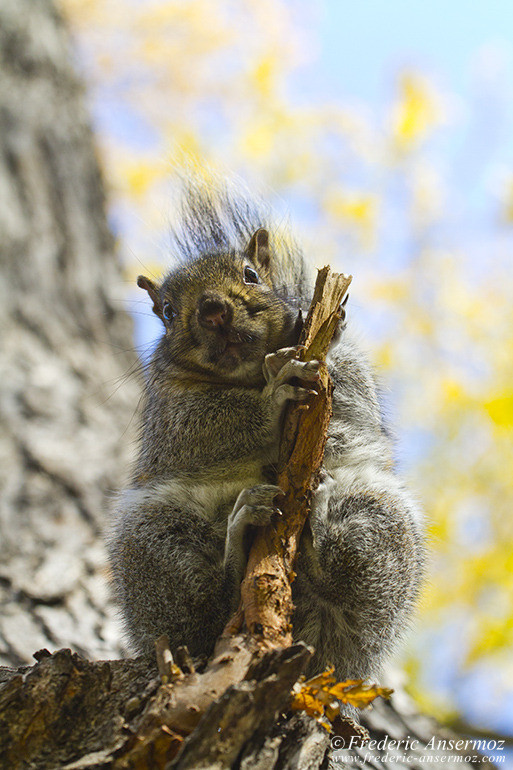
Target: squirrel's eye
x=167 y=311
x=250 y=275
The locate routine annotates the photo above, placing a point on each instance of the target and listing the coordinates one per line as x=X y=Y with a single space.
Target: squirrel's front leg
x=283 y=366
x=283 y=371
x=254 y=507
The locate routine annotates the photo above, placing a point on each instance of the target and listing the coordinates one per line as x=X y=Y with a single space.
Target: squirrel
x=216 y=388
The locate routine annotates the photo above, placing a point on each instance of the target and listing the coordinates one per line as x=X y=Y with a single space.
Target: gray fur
x=210 y=425
x=220 y=217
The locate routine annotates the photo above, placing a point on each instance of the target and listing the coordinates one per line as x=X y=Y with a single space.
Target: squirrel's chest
x=212 y=495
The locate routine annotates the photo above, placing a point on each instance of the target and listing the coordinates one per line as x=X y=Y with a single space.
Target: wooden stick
x=266 y=589
x=166 y=665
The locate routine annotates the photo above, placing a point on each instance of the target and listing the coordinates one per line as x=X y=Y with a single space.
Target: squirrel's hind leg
x=361 y=570
x=169 y=577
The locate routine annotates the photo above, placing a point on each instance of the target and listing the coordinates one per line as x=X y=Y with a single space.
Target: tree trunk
x=66 y=408
x=65 y=350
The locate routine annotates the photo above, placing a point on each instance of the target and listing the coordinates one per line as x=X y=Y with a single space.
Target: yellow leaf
x=359 y=694
x=138 y=176
x=263 y=75
x=415 y=112
x=321 y=696
x=496 y=634
x=357 y=209
x=500 y=410
x=260 y=140
x=453 y=391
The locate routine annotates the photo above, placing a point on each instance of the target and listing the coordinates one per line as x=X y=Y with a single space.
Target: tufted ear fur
x=258 y=248
x=152 y=289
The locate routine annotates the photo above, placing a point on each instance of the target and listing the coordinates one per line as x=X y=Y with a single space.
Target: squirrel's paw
x=303 y=370
x=273 y=362
x=282 y=367
x=287 y=359
x=255 y=506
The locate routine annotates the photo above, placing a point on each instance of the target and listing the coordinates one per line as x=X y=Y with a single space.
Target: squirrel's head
x=222 y=314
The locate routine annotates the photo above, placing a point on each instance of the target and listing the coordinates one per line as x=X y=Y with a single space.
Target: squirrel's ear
x=258 y=248
x=149 y=286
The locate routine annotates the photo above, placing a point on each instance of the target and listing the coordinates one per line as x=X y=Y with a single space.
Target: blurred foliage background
x=385 y=130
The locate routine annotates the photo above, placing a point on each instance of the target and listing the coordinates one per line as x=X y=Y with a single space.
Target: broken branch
x=266 y=590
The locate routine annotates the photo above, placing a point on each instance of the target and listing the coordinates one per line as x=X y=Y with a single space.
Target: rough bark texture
x=266 y=589
x=74 y=714
x=65 y=345
x=64 y=350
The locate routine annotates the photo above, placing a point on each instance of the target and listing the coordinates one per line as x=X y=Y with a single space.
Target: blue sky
x=364 y=43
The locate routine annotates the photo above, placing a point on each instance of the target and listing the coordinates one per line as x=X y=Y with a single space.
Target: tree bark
x=64 y=350
x=65 y=409
x=266 y=589
x=69 y=713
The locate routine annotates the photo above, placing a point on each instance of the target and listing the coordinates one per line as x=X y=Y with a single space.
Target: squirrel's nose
x=212 y=313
